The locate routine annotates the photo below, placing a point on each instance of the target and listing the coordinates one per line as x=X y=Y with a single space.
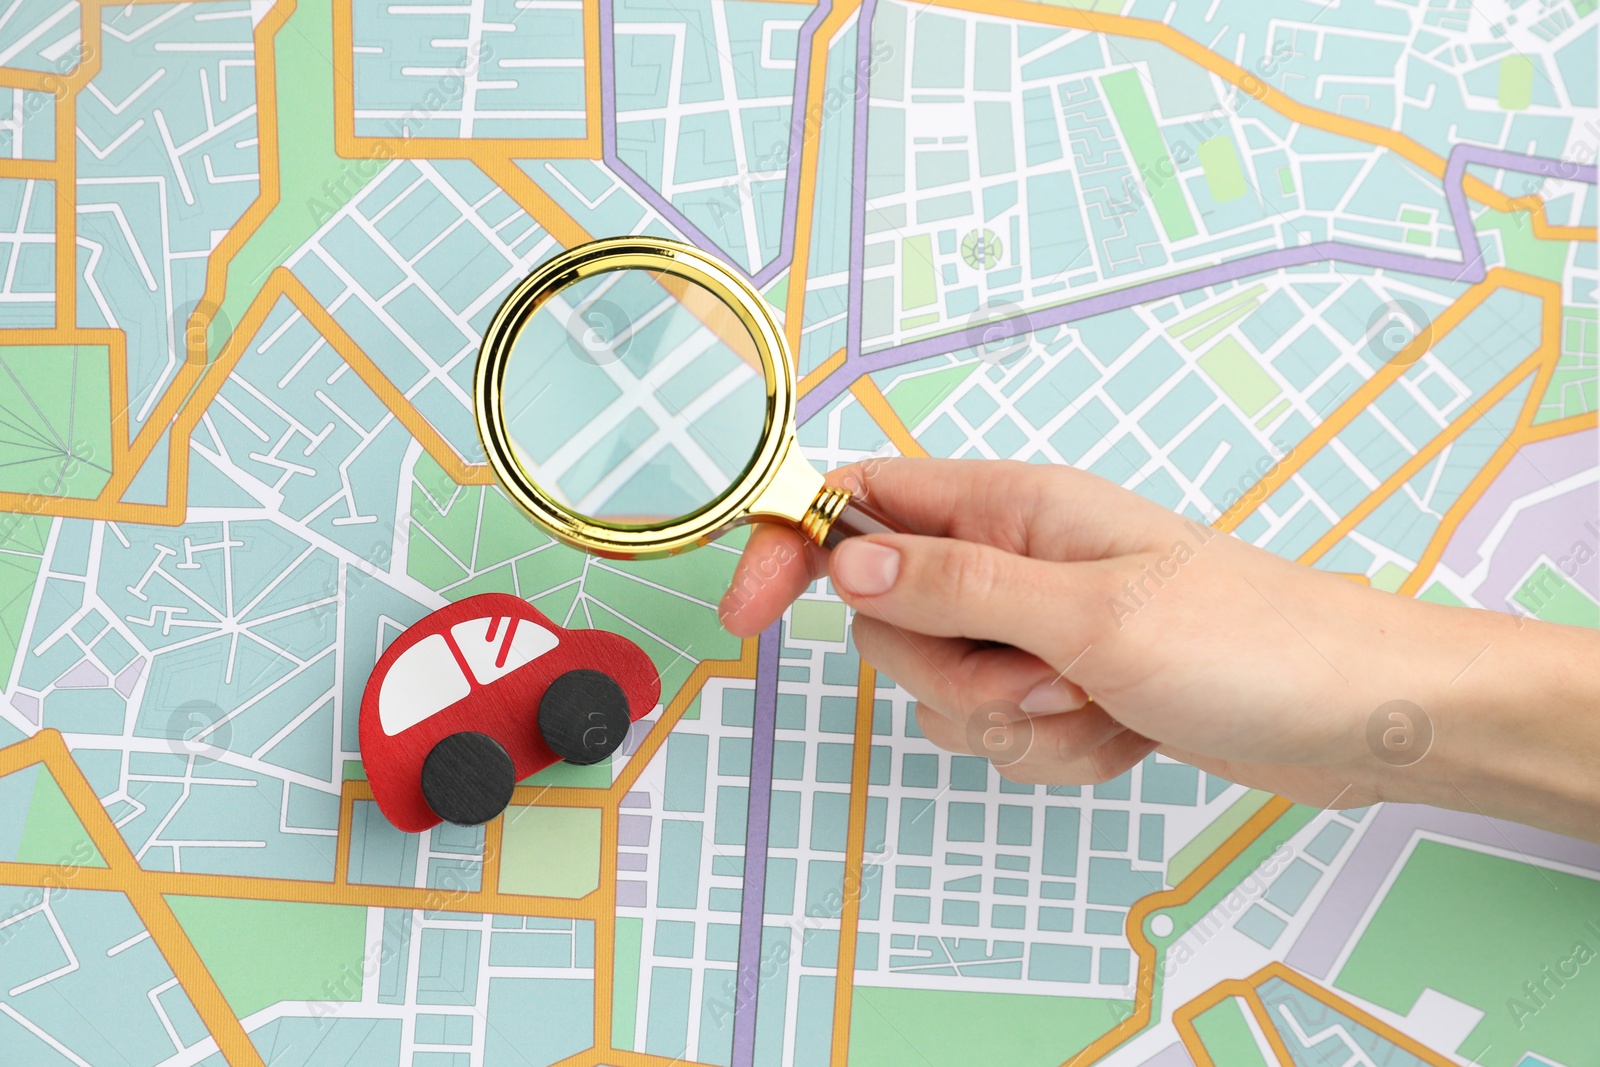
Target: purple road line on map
x=1544 y=166
x=1468 y=269
x=669 y=211
x=1361 y=878
x=858 y=179
x=1455 y=188
x=752 y=908
x=608 y=86
x=608 y=141
x=797 y=137
x=1277 y=259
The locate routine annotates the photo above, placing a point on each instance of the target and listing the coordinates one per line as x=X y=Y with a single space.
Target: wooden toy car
x=484 y=692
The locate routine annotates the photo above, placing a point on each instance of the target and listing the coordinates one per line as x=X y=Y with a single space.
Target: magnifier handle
x=857 y=518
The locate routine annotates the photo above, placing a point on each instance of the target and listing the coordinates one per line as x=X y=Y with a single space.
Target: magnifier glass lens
x=634 y=397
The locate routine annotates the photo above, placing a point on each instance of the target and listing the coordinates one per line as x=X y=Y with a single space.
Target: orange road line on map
x=560 y=796
x=1421 y=458
x=1364 y=395
x=1549 y=354
x=583 y=1058
x=704 y=671
x=66 y=154
x=556 y=221
x=810 y=153
x=1544 y=431
x=531 y=197
x=1183 y=1021
x=199 y=384
x=1159 y=32
x=546 y=796
x=1541 y=365
x=625 y=1058
x=876 y=405
x=48 y=747
x=1549 y=231
x=855 y=849
x=543 y=209
x=538 y=204
x=116 y=343
x=1457 y=511
x=494 y=843
x=43 y=170
x=351 y=145
x=180 y=404
x=1179 y=894
x=593 y=119
x=173 y=403
x=1317 y=991
x=344 y=834
x=605 y=927
x=1184 y=1016
x=600 y=906
x=816 y=375
x=149 y=887
x=1280 y=1049
x=219 y=1019
x=1248 y=990
x=304 y=891
x=66 y=159
x=123 y=874
x=35 y=80
x=528 y=194
x=617 y=1057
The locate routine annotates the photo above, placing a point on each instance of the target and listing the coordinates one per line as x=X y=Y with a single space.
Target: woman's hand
x=1124 y=629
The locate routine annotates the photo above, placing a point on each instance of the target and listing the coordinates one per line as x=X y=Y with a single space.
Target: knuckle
x=967 y=679
x=968 y=573
x=1064 y=748
x=867 y=637
x=1102 y=765
x=1103 y=589
x=933 y=725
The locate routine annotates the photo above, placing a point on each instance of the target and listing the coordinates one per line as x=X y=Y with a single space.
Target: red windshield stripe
x=505 y=645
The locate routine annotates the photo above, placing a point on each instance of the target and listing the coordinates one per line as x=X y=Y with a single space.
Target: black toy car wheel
x=583 y=717
x=468 y=778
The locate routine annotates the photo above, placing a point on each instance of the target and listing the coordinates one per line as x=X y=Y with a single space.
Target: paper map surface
x=1321 y=275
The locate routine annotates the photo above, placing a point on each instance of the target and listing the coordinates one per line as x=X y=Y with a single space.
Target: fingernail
x=1047 y=697
x=865 y=568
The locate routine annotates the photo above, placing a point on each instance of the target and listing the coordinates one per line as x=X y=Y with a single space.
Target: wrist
x=1515 y=730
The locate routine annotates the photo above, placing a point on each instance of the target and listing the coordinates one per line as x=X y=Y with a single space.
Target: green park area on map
x=1322 y=276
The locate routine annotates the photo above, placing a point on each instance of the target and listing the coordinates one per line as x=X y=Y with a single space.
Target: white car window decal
x=425 y=679
x=495 y=646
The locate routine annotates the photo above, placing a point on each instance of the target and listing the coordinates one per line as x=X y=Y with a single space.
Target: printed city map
x=1321 y=275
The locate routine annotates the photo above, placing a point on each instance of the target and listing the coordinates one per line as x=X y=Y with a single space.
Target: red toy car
x=484 y=692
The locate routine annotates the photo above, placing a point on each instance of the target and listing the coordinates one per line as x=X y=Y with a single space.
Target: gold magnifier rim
x=740 y=500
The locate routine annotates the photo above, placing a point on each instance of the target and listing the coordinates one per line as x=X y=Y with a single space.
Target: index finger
x=1045 y=511
x=777 y=565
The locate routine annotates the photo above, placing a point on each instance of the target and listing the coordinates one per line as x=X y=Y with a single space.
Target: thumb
x=949 y=588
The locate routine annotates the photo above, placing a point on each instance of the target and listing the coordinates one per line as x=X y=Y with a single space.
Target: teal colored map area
x=1321 y=276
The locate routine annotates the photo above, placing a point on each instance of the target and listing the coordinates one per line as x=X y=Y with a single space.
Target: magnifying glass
x=636 y=399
